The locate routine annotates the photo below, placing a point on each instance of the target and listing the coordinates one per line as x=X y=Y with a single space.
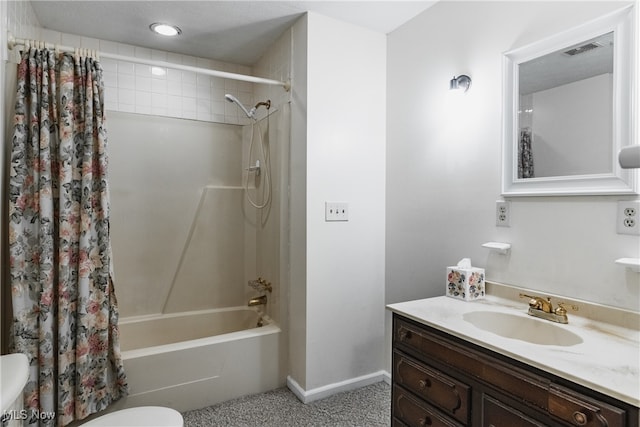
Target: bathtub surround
x=203 y=242
x=178 y=227
x=65 y=316
x=198 y=250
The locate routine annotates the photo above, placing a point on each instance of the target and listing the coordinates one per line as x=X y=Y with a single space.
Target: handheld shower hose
x=265 y=151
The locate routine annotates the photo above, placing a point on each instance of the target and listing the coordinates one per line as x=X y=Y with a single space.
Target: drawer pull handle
x=580 y=418
x=426 y=421
x=425 y=383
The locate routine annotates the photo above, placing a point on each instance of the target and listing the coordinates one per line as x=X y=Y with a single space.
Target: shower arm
x=266 y=103
x=252 y=112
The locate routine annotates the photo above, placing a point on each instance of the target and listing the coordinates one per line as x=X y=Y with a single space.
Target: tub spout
x=258 y=301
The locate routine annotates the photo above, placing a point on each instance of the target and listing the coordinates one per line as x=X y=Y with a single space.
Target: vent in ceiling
x=582 y=49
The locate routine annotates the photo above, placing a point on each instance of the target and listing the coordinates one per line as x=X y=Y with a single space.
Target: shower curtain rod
x=12 y=42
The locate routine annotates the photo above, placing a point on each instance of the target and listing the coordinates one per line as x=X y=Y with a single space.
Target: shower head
x=252 y=112
x=249 y=113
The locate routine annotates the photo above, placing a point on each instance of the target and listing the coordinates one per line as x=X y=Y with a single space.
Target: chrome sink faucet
x=543 y=309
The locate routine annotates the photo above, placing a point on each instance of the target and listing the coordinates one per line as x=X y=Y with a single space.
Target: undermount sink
x=523 y=328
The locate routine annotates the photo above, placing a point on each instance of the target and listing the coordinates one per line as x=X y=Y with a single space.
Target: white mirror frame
x=619 y=181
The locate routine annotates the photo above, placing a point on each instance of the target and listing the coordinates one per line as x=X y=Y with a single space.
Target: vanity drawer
x=414 y=413
x=448 y=394
x=498 y=414
x=518 y=383
x=579 y=410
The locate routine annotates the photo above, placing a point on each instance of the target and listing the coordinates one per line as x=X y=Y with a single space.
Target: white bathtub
x=195 y=359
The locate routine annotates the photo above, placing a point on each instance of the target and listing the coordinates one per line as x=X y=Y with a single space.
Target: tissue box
x=465 y=283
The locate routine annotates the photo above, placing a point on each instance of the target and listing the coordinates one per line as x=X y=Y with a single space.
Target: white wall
x=443 y=164
x=345 y=140
x=578 y=106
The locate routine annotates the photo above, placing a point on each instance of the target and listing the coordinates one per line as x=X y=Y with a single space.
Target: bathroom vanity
x=452 y=367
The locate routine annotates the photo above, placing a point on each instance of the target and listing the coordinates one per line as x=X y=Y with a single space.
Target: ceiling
x=557 y=68
x=238 y=31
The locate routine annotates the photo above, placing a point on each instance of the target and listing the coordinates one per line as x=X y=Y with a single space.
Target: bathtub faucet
x=262 y=300
x=261 y=285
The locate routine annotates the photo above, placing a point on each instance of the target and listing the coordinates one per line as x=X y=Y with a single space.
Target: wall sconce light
x=462 y=82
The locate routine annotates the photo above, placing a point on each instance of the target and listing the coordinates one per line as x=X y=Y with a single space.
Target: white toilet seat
x=143 y=416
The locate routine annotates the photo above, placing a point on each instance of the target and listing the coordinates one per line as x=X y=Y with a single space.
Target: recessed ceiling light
x=165 y=29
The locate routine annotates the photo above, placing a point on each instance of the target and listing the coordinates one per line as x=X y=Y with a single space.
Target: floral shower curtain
x=525 y=155
x=64 y=307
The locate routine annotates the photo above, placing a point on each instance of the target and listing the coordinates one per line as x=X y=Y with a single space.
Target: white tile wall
x=275 y=64
x=22 y=21
x=138 y=88
x=146 y=89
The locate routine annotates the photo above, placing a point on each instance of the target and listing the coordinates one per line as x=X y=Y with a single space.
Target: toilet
x=14 y=374
x=143 y=416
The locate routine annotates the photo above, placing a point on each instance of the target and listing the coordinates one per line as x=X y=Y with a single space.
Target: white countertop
x=607 y=360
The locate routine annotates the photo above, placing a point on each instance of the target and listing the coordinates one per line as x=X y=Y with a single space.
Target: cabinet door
x=498 y=414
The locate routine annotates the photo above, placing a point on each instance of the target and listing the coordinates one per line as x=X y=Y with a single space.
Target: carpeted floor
x=367 y=406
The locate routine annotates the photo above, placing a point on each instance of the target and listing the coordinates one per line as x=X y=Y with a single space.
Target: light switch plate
x=336 y=211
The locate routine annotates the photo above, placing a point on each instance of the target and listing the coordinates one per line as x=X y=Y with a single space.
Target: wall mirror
x=567 y=111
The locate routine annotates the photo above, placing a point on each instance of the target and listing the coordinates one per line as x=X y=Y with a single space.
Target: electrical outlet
x=628 y=218
x=336 y=211
x=503 y=213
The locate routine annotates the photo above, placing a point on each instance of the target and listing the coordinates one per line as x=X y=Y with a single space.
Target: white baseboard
x=308 y=396
x=386 y=377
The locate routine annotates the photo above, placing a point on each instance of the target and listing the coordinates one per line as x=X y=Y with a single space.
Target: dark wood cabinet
x=497 y=413
x=441 y=380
